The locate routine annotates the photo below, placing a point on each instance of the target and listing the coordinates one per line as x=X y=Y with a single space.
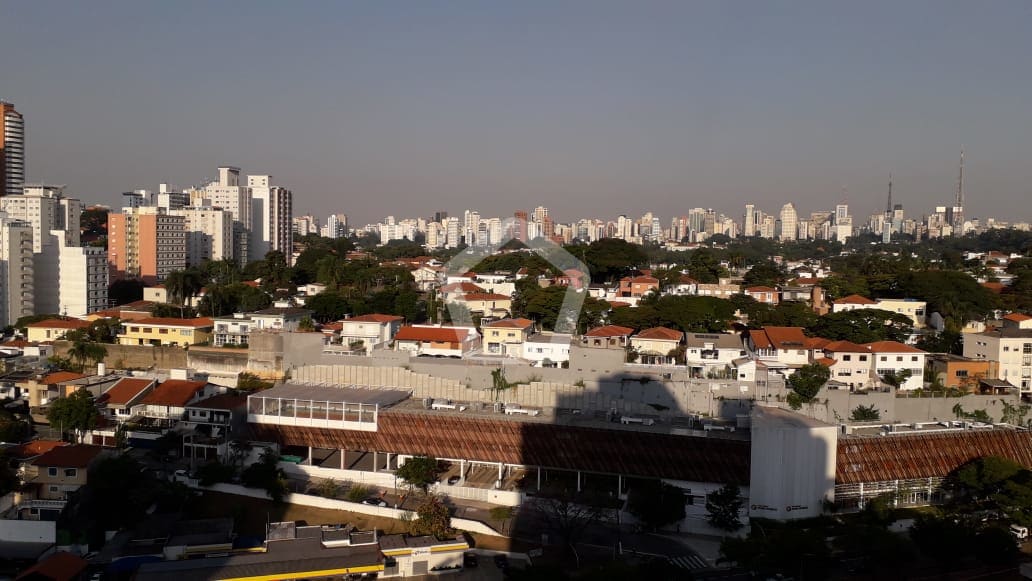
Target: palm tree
x=86 y=351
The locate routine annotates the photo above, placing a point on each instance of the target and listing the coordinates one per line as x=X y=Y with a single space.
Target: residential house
x=912 y=308
x=456 y=291
x=684 y=286
x=166 y=331
x=506 y=336
x=707 y=353
x=367 y=332
x=168 y=400
x=234 y=330
x=487 y=304
x=723 y=289
x=61 y=471
x=156 y=294
x=763 y=294
x=1010 y=346
x=53 y=329
x=548 y=349
x=657 y=346
x=960 y=372
x=852 y=303
x=428 y=277
x=119 y=399
x=850 y=364
x=279 y=318
x=607 y=337
x=43 y=389
x=638 y=286
x=211 y=424
x=133 y=311
x=892 y=358
x=425 y=340
x=1017 y=321
x=786 y=345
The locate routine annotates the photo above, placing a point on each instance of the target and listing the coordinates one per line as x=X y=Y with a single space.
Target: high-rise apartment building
x=208 y=233
x=789 y=220
x=17 y=284
x=230 y=195
x=272 y=210
x=12 y=150
x=76 y=278
x=146 y=243
x=749 y=221
x=46 y=209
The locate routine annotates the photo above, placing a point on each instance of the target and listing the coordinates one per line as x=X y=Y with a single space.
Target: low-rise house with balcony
x=279 y=318
x=233 y=330
x=45 y=388
x=487 y=304
x=506 y=336
x=706 y=353
x=169 y=399
x=548 y=349
x=118 y=401
x=852 y=303
x=425 y=340
x=960 y=372
x=607 y=337
x=1010 y=346
x=913 y=308
x=849 y=363
x=684 y=286
x=211 y=423
x=657 y=346
x=763 y=294
x=786 y=345
x=367 y=332
x=60 y=471
x=53 y=329
x=893 y=358
x=638 y=286
x=723 y=289
x=167 y=331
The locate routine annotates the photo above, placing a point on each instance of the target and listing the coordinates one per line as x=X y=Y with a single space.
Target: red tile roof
x=1017 y=317
x=34 y=448
x=855 y=300
x=867 y=459
x=462 y=287
x=511 y=323
x=73 y=456
x=486 y=297
x=60 y=377
x=826 y=361
x=197 y=323
x=846 y=347
x=433 y=334
x=761 y=289
x=779 y=338
x=618 y=304
x=660 y=333
x=375 y=318
x=628 y=452
x=891 y=347
x=124 y=391
x=609 y=331
x=641 y=280
x=59 y=324
x=996 y=287
x=174 y=392
x=60 y=566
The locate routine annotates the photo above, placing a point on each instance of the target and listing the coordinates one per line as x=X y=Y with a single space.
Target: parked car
x=453 y=480
x=1019 y=532
x=375 y=502
x=470 y=560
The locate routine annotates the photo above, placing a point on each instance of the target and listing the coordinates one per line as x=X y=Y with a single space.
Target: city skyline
x=661 y=109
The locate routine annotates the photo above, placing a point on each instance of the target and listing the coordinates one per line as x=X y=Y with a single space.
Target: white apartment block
x=46 y=209
x=79 y=274
x=272 y=217
x=209 y=233
x=17 y=285
x=228 y=193
x=1010 y=347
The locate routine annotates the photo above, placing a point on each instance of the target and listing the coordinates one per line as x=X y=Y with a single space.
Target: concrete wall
x=217 y=360
x=792 y=471
x=135 y=356
x=28 y=531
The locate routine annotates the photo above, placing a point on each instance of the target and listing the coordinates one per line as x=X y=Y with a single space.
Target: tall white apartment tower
x=228 y=193
x=46 y=209
x=789 y=222
x=17 y=285
x=12 y=150
x=272 y=217
x=749 y=222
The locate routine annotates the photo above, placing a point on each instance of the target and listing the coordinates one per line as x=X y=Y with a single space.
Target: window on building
x=52 y=471
x=70 y=472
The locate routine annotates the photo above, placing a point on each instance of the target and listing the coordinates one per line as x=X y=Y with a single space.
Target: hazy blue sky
x=590 y=108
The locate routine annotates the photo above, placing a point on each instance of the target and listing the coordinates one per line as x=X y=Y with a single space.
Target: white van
x=1019 y=532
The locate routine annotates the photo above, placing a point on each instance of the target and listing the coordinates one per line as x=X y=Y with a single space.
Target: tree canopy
x=76 y=414
x=806 y=383
x=863 y=326
x=657 y=504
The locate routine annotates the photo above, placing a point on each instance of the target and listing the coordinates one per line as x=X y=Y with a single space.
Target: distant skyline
x=591 y=108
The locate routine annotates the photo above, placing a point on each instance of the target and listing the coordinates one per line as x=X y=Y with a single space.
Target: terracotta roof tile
x=124 y=391
x=1017 y=317
x=174 y=392
x=486 y=297
x=197 y=323
x=434 y=334
x=73 y=456
x=609 y=331
x=222 y=401
x=34 y=448
x=60 y=377
x=61 y=566
x=59 y=324
x=891 y=347
x=375 y=318
x=855 y=300
x=846 y=347
x=511 y=323
x=761 y=289
x=661 y=333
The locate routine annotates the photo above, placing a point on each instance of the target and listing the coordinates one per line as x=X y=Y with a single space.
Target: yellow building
x=166 y=331
x=53 y=329
x=507 y=336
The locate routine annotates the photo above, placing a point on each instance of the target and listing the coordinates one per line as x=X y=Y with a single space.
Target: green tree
x=214 y=472
x=897 y=378
x=985 y=477
x=863 y=326
x=266 y=474
x=724 y=507
x=306 y=324
x=806 y=383
x=432 y=518
x=419 y=471
x=608 y=259
x=657 y=504
x=868 y=413
x=765 y=274
x=76 y=414
x=83 y=352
